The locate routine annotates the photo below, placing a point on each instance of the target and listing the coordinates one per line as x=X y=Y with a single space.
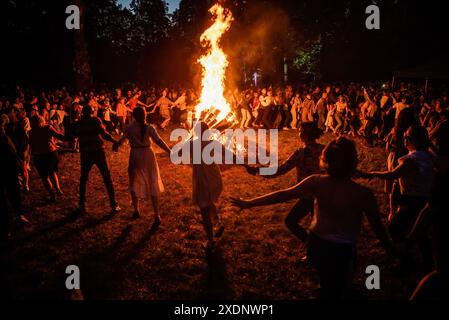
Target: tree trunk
x=81 y=65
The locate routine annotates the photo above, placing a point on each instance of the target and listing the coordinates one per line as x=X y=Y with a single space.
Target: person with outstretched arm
x=340 y=206
x=92 y=134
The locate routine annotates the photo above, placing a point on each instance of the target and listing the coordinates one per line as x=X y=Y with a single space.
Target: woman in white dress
x=144 y=177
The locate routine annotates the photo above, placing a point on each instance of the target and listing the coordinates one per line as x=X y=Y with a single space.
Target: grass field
x=120 y=259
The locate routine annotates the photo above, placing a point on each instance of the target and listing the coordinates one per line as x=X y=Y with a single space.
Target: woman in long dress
x=144 y=177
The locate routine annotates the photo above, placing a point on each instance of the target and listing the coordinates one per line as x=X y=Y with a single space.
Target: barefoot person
x=340 y=206
x=91 y=134
x=144 y=178
x=207 y=188
x=207 y=183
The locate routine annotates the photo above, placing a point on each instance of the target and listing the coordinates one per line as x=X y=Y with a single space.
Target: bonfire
x=213 y=108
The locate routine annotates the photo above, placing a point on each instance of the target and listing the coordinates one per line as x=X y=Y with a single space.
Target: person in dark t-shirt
x=91 y=135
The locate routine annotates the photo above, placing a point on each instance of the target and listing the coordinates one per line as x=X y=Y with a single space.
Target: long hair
x=139 y=115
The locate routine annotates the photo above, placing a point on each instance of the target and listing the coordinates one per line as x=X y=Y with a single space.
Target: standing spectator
x=21 y=139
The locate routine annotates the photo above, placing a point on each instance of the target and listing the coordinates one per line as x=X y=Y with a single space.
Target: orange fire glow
x=214 y=64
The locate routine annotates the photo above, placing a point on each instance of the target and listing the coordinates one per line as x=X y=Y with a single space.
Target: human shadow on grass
x=102 y=271
x=71 y=218
x=105 y=271
x=20 y=240
x=133 y=252
x=216 y=284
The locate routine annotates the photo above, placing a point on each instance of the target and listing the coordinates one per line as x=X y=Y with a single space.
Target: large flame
x=214 y=65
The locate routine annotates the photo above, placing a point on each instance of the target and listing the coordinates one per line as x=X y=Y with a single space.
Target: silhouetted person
x=306 y=160
x=91 y=134
x=435 y=217
x=45 y=154
x=337 y=222
x=416 y=177
x=9 y=183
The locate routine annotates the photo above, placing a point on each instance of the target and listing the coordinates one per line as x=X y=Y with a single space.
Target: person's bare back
x=339 y=207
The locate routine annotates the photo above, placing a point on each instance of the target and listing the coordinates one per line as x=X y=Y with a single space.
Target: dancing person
x=180 y=106
x=330 y=119
x=266 y=108
x=337 y=222
x=340 y=114
x=207 y=186
x=321 y=110
x=371 y=118
x=255 y=106
x=134 y=101
x=164 y=104
x=45 y=154
x=415 y=174
x=295 y=110
x=207 y=183
x=282 y=111
x=121 y=111
x=434 y=220
x=107 y=113
x=308 y=106
x=144 y=177
x=306 y=160
x=91 y=135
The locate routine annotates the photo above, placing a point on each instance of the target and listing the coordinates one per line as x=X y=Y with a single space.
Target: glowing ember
x=214 y=65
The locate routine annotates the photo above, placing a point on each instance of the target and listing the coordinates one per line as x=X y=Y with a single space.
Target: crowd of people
x=412 y=125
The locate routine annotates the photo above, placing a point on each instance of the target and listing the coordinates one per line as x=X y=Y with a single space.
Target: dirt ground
x=119 y=258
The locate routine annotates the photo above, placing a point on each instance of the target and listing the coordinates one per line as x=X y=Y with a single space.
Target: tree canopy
x=324 y=39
